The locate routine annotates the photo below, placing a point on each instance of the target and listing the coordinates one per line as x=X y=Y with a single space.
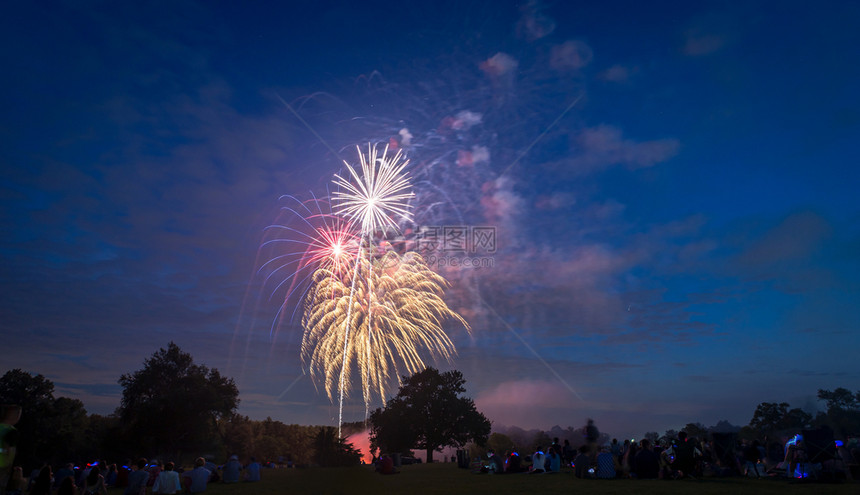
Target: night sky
x=672 y=185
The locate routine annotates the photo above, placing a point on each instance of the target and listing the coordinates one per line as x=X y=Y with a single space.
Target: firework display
x=379 y=192
x=369 y=312
x=397 y=311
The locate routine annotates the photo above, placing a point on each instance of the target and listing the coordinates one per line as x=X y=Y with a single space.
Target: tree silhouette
x=173 y=405
x=770 y=416
x=843 y=410
x=51 y=429
x=428 y=413
x=696 y=430
x=652 y=436
x=840 y=399
x=331 y=451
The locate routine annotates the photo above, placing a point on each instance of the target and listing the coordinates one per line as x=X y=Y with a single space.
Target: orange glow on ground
x=361 y=441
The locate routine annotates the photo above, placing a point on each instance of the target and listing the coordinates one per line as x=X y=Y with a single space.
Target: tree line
x=173 y=408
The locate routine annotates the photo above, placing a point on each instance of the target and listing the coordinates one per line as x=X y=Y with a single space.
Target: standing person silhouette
x=592 y=434
x=9 y=416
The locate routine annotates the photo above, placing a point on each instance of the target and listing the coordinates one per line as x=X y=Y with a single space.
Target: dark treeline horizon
x=60 y=430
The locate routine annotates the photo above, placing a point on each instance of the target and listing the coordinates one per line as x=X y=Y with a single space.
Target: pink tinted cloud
x=604 y=146
x=469 y=158
x=616 y=73
x=533 y=23
x=697 y=44
x=555 y=201
x=525 y=403
x=570 y=55
x=588 y=264
x=500 y=203
x=463 y=121
x=518 y=392
x=499 y=65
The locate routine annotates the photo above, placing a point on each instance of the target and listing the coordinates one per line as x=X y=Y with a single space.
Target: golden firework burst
x=396 y=320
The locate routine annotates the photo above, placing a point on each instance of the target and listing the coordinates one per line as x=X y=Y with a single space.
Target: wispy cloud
x=572 y=55
x=534 y=23
x=616 y=74
x=603 y=146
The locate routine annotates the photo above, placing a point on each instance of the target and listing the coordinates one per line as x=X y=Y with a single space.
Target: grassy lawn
x=447 y=479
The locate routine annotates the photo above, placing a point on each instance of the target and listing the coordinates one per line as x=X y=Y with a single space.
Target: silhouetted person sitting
x=386 y=465
x=67 y=471
x=137 y=478
x=605 y=465
x=567 y=452
x=42 y=486
x=582 y=463
x=252 y=470
x=553 y=459
x=513 y=463
x=167 y=482
x=67 y=487
x=232 y=470
x=538 y=461
x=195 y=480
x=751 y=455
x=647 y=462
x=495 y=466
x=684 y=452
x=94 y=483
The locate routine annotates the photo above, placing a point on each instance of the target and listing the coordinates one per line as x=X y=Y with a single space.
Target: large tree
x=843 y=410
x=429 y=413
x=840 y=399
x=173 y=405
x=770 y=416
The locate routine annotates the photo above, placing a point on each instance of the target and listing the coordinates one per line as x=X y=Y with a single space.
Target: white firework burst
x=377 y=197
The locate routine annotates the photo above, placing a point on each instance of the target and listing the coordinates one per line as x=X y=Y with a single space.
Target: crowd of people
x=672 y=458
x=136 y=478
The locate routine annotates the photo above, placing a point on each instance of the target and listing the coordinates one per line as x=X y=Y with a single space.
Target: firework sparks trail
x=389 y=311
x=379 y=191
x=316 y=238
x=368 y=312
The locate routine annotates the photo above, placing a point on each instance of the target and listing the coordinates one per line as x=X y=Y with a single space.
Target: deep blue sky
x=673 y=186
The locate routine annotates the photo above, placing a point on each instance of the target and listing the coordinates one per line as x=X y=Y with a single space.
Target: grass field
x=447 y=479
